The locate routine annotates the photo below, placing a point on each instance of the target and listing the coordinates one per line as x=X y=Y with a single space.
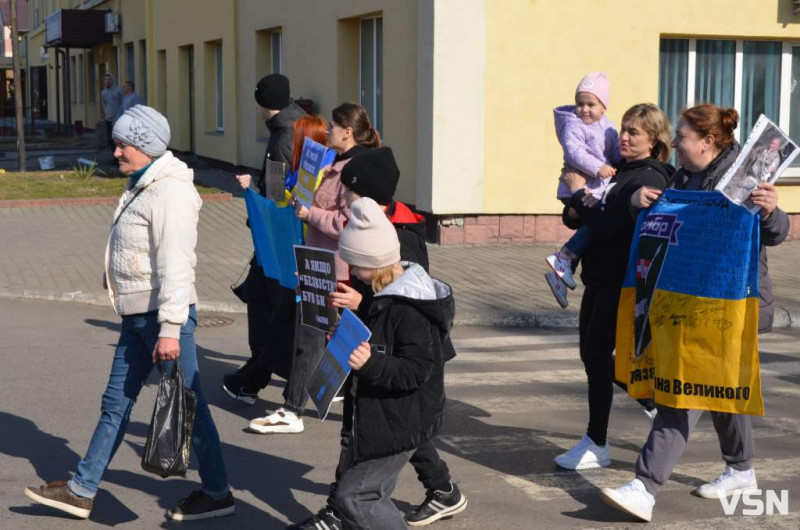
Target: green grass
x=63 y=184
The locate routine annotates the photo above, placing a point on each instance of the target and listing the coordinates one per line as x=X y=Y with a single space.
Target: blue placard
x=332 y=369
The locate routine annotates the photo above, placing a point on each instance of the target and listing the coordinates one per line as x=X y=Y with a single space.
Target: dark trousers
x=597 y=332
x=431 y=470
x=309 y=345
x=364 y=496
x=670 y=435
x=270 y=327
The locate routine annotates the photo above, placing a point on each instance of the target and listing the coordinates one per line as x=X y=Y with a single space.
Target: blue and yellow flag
x=687 y=328
x=275 y=231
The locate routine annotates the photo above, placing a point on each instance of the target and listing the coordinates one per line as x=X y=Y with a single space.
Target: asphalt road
x=515 y=400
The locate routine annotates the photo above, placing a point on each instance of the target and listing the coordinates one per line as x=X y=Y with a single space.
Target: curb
x=785 y=317
x=93 y=201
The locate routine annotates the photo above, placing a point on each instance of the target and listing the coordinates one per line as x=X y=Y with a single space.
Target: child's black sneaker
x=198 y=505
x=437 y=505
x=237 y=387
x=324 y=520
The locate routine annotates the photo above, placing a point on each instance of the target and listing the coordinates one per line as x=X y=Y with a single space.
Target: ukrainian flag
x=275 y=231
x=687 y=327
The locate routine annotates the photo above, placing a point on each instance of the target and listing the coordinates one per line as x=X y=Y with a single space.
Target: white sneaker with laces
x=585 y=455
x=562 y=267
x=558 y=287
x=632 y=498
x=281 y=421
x=731 y=481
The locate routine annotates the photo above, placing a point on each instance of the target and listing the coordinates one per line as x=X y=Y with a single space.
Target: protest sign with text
x=314 y=158
x=332 y=369
x=316 y=274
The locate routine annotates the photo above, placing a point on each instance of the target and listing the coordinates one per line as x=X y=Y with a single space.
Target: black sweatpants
x=270 y=327
x=597 y=331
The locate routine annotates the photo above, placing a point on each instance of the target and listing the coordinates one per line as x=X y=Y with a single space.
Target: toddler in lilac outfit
x=591 y=150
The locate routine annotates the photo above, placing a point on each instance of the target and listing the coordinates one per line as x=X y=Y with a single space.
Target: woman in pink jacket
x=350 y=132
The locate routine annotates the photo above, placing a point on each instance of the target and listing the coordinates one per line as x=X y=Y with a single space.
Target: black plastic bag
x=166 y=452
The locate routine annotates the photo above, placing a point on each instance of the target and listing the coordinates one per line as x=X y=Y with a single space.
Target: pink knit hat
x=596 y=83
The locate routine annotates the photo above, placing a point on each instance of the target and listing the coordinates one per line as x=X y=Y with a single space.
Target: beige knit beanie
x=369 y=240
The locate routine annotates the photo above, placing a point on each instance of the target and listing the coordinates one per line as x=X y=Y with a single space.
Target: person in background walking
x=129 y=98
x=111 y=97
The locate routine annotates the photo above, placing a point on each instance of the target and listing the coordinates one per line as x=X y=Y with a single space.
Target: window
x=161 y=79
x=81 y=75
x=130 y=65
x=276 y=52
x=92 y=77
x=73 y=75
x=371 y=68
x=214 y=105
x=143 y=70
x=754 y=77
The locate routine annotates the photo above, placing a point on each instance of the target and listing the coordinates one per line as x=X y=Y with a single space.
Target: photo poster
x=316 y=275
x=763 y=158
x=332 y=369
x=275 y=180
x=314 y=158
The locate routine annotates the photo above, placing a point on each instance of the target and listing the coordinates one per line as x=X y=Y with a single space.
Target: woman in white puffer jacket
x=149 y=267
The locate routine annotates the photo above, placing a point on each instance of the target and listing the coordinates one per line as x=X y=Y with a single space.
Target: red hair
x=710 y=119
x=314 y=127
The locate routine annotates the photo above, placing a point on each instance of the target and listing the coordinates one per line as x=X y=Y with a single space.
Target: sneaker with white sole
x=199 y=505
x=562 y=267
x=585 y=455
x=437 y=505
x=730 y=482
x=632 y=498
x=281 y=421
x=237 y=387
x=558 y=287
x=58 y=495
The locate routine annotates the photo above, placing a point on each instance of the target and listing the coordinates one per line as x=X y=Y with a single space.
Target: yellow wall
x=177 y=25
x=318 y=58
x=537 y=51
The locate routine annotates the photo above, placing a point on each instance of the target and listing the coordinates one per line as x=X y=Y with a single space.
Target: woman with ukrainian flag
x=706 y=148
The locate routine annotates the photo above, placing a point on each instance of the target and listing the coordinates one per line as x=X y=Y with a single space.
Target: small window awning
x=76 y=28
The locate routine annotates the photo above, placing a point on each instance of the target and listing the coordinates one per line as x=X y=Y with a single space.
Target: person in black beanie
x=270 y=307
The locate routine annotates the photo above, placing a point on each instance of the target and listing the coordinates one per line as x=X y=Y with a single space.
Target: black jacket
x=398 y=397
x=610 y=223
x=279 y=147
x=774 y=230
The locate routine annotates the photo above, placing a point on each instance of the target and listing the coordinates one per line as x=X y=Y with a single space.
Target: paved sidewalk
x=56 y=253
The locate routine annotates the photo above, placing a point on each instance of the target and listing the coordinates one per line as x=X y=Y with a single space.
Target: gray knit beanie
x=144 y=128
x=369 y=240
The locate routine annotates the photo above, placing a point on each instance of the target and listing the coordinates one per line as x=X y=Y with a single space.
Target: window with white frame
x=754 y=77
x=218 y=85
x=73 y=76
x=370 y=71
x=130 y=64
x=276 y=52
x=143 y=70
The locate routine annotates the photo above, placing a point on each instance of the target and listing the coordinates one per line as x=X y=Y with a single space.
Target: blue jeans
x=579 y=240
x=133 y=361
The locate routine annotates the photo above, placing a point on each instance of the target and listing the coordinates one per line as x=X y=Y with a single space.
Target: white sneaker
x=651 y=415
x=562 y=267
x=558 y=287
x=731 y=481
x=585 y=455
x=281 y=421
x=632 y=498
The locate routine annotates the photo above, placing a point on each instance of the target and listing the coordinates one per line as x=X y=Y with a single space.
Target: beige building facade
x=462 y=90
